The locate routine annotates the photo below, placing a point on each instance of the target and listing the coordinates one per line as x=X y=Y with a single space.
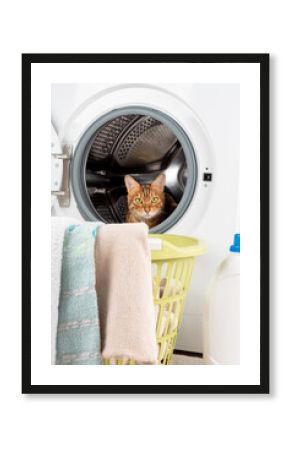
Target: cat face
x=145 y=201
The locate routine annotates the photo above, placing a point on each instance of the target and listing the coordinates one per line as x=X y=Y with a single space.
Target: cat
x=148 y=203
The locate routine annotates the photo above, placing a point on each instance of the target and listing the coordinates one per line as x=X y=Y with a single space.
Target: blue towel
x=78 y=333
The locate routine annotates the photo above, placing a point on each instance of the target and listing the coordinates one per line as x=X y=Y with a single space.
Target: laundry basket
x=172 y=259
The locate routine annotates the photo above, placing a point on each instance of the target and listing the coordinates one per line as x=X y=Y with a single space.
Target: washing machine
x=189 y=132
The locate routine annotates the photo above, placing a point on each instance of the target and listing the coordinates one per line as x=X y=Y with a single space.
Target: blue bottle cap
x=235 y=247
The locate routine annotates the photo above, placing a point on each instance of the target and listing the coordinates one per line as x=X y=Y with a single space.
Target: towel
x=167 y=326
x=58 y=226
x=175 y=310
x=124 y=290
x=78 y=333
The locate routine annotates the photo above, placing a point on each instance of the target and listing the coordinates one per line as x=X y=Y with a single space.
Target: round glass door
x=139 y=142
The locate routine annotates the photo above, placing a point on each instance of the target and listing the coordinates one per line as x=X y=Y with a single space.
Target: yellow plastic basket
x=172 y=268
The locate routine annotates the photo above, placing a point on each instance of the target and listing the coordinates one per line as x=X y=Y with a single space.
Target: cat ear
x=130 y=183
x=159 y=182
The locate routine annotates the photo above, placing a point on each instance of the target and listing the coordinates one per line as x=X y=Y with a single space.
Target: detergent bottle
x=222 y=311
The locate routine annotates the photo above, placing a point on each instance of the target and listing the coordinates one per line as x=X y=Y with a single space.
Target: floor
x=186 y=360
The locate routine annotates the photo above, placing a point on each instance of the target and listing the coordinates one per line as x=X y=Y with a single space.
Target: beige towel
x=124 y=290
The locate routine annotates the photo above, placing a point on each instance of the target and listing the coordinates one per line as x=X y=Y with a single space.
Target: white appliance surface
x=209 y=113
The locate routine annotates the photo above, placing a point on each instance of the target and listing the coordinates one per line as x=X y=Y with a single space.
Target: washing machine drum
x=139 y=145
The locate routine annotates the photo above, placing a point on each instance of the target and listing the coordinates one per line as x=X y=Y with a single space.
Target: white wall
x=159 y=422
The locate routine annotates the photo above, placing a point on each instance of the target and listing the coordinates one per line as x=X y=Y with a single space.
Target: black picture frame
x=263 y=61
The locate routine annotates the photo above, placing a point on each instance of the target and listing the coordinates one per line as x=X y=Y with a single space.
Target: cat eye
x=154 y=199
x=138 y=201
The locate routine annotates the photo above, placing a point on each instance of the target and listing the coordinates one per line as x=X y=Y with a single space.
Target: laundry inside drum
x=137 y=145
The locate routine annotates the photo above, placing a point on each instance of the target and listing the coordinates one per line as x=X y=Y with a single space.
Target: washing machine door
x=141 y=131
x=141 y=143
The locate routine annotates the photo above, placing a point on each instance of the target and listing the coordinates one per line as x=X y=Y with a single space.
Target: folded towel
x=58 y=226
x=124 y=289
x=172 y=288
x=173 y=322
x=78 y=333
x=168 y=323
x=174 y=309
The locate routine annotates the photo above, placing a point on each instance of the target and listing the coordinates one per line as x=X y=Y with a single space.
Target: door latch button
x=207 y=176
